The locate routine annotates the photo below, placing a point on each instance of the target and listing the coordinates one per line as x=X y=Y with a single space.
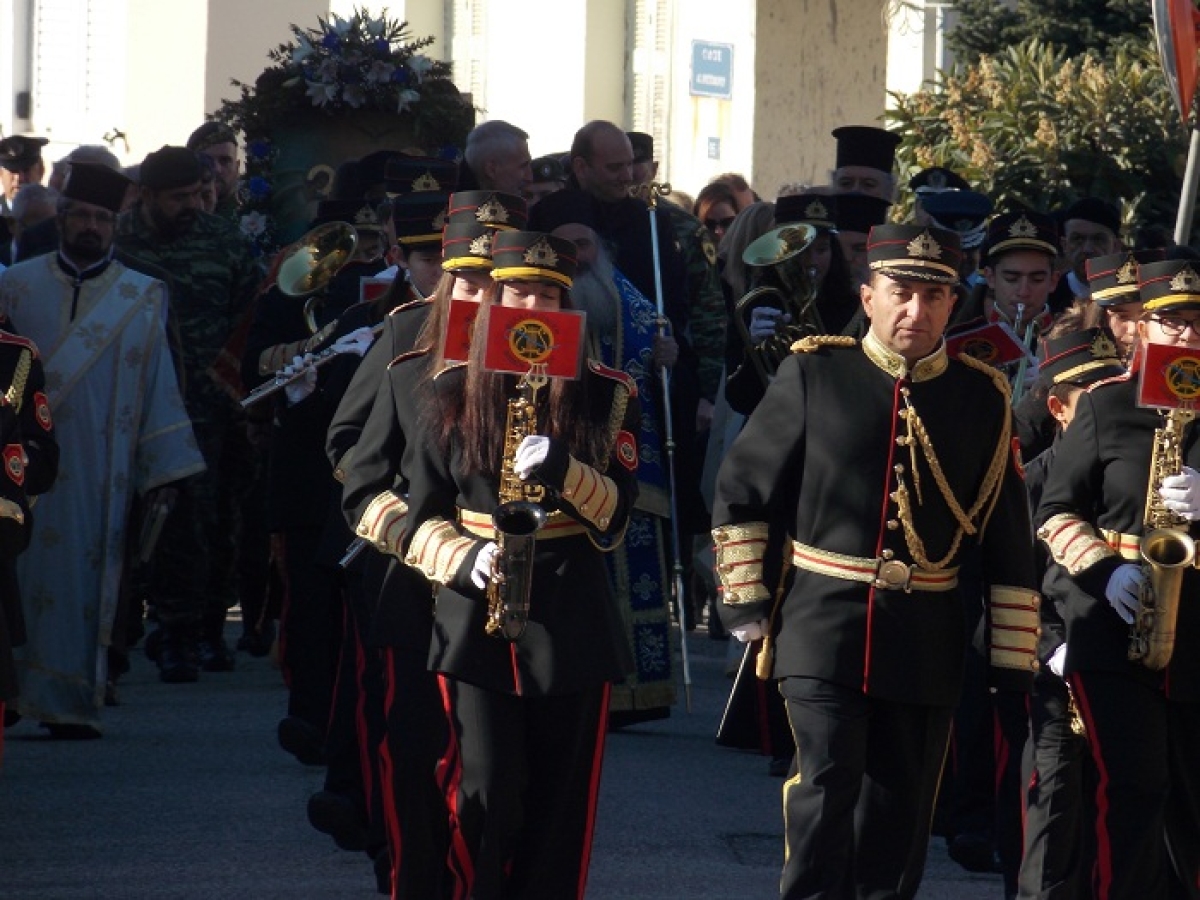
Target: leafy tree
x=1031 y=125
x=986 y=27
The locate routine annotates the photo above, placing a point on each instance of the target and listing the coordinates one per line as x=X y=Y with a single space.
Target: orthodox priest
x=122 y=428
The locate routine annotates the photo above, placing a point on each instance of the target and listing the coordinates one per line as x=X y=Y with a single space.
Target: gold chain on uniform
x=918 y=435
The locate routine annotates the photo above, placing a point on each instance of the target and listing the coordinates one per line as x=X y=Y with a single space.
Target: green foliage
x=986 y=27
x=1032 y=126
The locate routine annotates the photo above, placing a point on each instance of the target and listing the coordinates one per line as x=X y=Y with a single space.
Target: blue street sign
x=712 y=70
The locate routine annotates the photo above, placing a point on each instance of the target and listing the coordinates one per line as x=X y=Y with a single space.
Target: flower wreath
x=360 y=63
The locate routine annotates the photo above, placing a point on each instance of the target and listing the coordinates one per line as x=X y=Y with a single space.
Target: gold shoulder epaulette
x=993 y=373
x=615 y=374
x=410 y=354
x=817 y=341
x=411 y=304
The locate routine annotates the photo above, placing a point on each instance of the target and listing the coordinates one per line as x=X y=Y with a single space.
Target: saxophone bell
x=517 y=523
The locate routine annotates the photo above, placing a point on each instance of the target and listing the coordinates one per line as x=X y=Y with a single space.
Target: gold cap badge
x=1103 y=347
x=491 y=211
x=439 y=221
x=366 y=217
x=1022 y=228
x=1128 y=273
x=816 y=210
x=925 y=247
x=426 y=182
x=481 y=246
x=541 y=254
x=1187 y=282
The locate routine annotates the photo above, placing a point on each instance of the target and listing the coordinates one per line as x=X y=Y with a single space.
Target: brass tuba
x=310 y=264
x=1166 y=550
x=516 y=521
x=782 y=252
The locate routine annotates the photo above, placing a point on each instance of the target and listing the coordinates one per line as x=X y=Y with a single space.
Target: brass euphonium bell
x=310 y=264
x=782 y=252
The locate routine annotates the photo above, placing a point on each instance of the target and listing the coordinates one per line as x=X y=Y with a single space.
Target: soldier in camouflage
x=214 y=280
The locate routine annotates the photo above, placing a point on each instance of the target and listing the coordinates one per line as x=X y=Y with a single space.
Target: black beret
x=96 y=184
x=210 y=134
x=912 y=251
x=18 y=153
x=565 y=207
x=1095 y=210
x=169 y=167
x=863 y=145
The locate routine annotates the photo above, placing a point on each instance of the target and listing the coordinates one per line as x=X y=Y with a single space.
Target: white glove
x=1057 y=660
x=302 y=387
x=1181 y=493
x=1124 y=587
x=358 y=342
x=530 y=454
x=481 y=573
x=763 y=322
x=752 y=631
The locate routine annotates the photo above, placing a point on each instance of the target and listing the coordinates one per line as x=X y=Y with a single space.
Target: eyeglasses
x=100 y=217
x=1174 y=326
x=723 y=224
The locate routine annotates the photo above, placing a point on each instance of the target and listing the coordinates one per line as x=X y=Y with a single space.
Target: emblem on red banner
x=1170 y=377
x=518 y=339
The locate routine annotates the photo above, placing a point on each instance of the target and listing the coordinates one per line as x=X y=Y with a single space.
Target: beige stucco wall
x=819 y=64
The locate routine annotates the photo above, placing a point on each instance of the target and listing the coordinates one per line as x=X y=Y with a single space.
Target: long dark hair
x=473 y=412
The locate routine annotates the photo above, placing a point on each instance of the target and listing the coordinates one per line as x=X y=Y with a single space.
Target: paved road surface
x=187 y=797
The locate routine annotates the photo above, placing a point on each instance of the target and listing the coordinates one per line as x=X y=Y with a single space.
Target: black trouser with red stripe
x=858 y=814
x=1059 y=850
x=522 y=777
x=1147 y=754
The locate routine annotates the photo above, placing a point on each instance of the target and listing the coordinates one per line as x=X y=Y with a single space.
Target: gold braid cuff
x=383 y=523
x=1015 y=629
x=739 y=562
x=593 y=495
x=438 y=550
x=1073 y=543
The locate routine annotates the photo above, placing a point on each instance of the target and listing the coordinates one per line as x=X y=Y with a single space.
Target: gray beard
x=595 y=293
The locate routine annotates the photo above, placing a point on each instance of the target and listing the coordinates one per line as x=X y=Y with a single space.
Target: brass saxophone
x=1166 y=550
x=516 y=521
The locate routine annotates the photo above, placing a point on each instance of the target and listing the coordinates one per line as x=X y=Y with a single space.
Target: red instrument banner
x=371 y=288
x=460 y=326
x=1170 y=377
x=995 y=344
x=518 y=339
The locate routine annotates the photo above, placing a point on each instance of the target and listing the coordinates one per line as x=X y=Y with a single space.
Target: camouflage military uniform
x=213 y=282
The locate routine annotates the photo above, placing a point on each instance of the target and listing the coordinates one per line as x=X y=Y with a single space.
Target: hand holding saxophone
x=1123 y=590
x=531 y=453
x=481 y=572
x=765 y=322
x=1181 y=493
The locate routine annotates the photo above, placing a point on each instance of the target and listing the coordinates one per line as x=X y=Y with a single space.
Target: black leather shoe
x=383 y=872
x=257 y=643
x=339 y=817
x=177 y=662
x=215 y=656
x=302 y=740
x=974 y=852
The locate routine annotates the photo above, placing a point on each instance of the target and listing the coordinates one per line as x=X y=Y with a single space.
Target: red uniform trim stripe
x=366 y=753
x=458 y=860
x=1103 y=866
x=594 y=790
